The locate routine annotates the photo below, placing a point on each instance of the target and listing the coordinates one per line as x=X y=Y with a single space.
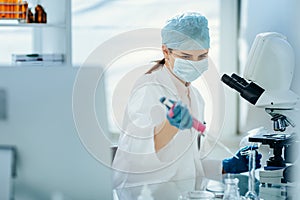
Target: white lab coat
x=136 y=162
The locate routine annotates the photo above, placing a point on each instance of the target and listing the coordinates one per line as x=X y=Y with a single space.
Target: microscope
x=266 y=84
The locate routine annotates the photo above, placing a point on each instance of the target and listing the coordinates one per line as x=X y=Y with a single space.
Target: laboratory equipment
x=13 y=10
x=216 y=187
x=269 y=70
x=231 y=191
x=197 y=125
x=200 y=127
x=37 y=59
x=239 y=163
x=251 y=194
x=40 y=15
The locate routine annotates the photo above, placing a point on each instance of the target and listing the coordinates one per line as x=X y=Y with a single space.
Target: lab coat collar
x=165 y=77
x=182 y=89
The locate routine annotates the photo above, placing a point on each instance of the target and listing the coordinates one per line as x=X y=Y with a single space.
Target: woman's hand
x=179 y=116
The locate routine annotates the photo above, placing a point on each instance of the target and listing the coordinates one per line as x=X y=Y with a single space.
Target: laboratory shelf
x=32 y=25
x=51 y=37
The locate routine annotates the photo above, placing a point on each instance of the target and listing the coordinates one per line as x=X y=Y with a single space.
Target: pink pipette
x=200 y=127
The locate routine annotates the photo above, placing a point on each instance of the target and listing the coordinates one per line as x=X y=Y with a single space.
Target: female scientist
x=155 y=147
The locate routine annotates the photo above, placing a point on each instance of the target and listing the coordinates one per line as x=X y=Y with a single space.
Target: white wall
x=50 y=156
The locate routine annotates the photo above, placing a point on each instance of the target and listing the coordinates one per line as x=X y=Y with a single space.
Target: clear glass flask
x=231 y=191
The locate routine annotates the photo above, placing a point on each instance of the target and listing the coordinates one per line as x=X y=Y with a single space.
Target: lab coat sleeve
x=136 y=151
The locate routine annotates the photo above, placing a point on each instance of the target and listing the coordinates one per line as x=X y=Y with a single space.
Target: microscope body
x=266 y=84
x=277 y=177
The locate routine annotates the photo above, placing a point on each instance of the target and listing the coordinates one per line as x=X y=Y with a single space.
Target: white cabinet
x=53 y=37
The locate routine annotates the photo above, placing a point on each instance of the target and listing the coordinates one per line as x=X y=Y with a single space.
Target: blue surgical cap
x=188 y=31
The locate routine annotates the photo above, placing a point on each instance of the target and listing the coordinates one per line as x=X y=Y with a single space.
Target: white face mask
x=188 y=70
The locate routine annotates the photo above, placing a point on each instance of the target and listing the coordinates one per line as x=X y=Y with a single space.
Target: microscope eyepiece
x=232 y=83
x=239 y=79
x=249 y=91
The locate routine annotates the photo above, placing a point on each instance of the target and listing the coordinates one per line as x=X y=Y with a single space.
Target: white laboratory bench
x=173 y=189
x=166 y=190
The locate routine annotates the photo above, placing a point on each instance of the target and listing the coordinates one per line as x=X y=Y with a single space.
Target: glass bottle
x=231 y=189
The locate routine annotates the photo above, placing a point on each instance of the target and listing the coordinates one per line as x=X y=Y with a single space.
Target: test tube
x=251 y=194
